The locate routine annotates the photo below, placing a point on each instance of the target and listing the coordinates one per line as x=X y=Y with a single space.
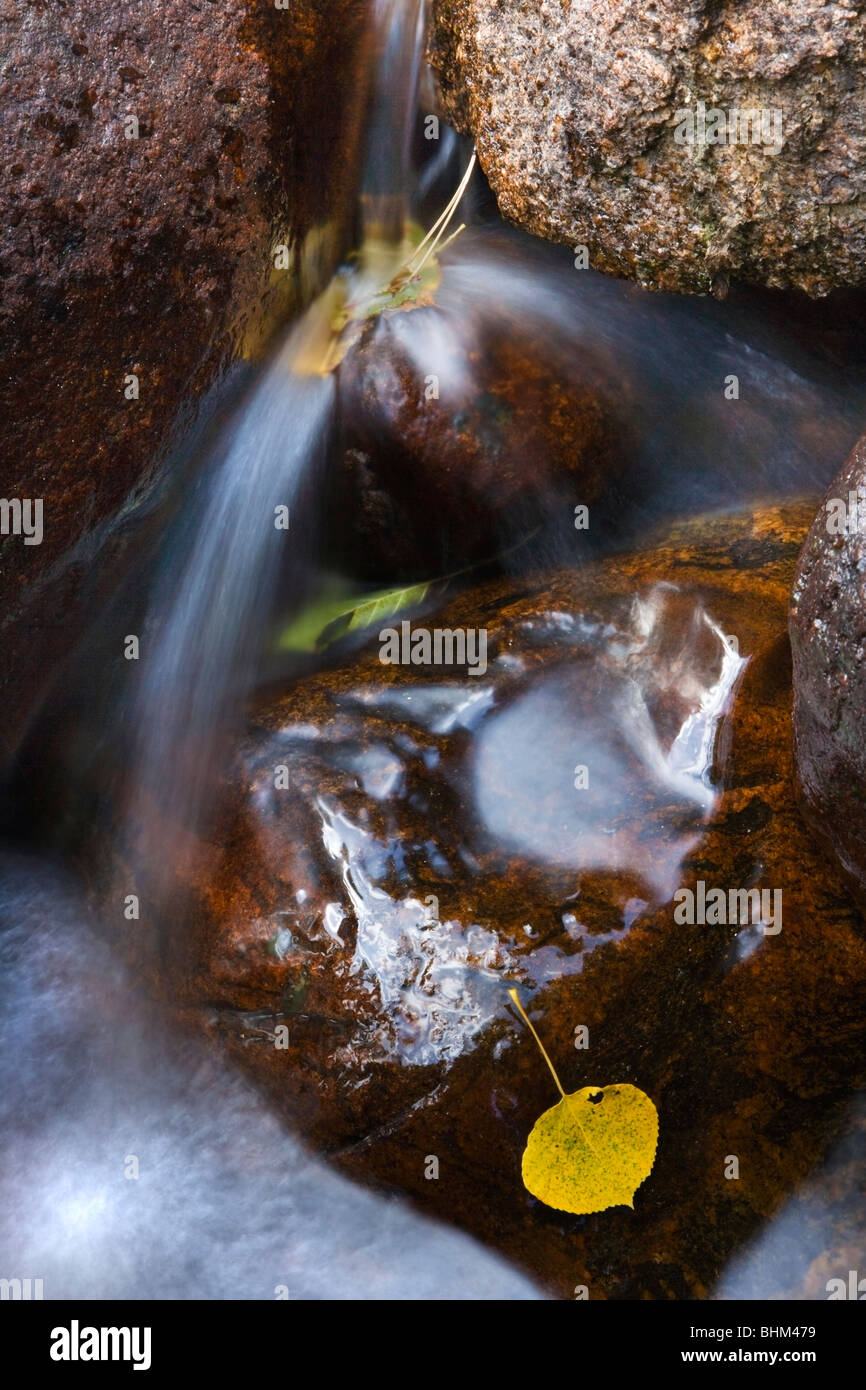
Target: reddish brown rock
x=828 y=637
x=146 y=256
x=463 y=432
x=431 y=850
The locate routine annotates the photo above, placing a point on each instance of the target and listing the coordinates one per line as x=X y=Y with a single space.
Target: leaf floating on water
x=329 y=618
x=592 y=1150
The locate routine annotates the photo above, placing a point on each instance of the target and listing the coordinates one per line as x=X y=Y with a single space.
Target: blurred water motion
x=225 y=1205
x=641 y=706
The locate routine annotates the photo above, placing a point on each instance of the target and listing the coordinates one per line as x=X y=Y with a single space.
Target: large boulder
x=587 y=120
x=406 y=843
x=150 y=161
x=828 y=637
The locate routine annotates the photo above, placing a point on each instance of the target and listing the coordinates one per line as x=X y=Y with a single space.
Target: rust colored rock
x=462 y=434
x=150 y=160
x=408 y=843
x=594 y=122
x=828 y=637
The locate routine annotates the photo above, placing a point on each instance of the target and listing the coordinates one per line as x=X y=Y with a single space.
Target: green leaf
x=333 y=615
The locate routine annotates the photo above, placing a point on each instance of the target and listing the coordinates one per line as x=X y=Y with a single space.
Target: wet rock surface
x=145 y=256
x=405 y=844
x=574 y=110
x=828 y=631
x=489 y=425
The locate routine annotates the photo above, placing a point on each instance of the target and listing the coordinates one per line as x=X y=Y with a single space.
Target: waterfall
x=212 y=598
x=399 y=30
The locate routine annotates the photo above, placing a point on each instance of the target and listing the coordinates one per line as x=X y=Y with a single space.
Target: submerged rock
x=472 y=418
x=150 y=162
x=406 y=844
x=828 y=637
x=682 y=145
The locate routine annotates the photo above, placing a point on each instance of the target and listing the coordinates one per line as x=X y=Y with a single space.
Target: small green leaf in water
x=330 y=617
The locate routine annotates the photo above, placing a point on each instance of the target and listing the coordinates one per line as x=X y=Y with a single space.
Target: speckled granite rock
x=828 y=637
x=574 y=110
x=147 y=256
x=405 y=844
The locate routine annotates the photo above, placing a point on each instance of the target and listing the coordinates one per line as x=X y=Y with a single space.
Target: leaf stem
x=512 y=994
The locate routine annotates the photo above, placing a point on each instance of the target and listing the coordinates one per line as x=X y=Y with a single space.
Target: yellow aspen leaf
x=592 y=1150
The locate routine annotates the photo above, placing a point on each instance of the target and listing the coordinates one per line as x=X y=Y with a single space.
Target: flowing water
x=399 y=26
x=212 y=603
x=214 y=589
x=226 y=1204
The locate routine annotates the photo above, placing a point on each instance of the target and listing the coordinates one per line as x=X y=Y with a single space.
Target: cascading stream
x=399 y=27
x=212 y=600
x=212 y=603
